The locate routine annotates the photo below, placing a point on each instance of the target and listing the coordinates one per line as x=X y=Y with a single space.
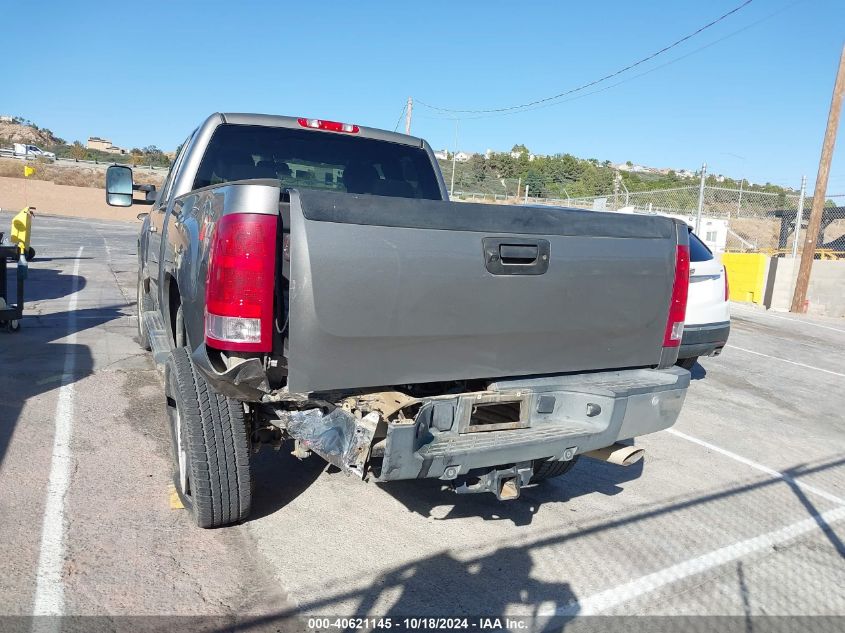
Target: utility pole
x=454 y=160
x=408 y=112
x=700 y=198
x=799 y=299
x=527 y=187
x=739 y=202
x=799 y=218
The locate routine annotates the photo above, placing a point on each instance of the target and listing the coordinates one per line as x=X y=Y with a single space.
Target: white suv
x=708 y=319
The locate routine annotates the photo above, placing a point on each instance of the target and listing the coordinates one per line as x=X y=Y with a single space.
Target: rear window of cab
x=313 y=159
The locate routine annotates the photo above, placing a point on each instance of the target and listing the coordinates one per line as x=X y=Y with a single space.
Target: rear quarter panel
x=187 y=235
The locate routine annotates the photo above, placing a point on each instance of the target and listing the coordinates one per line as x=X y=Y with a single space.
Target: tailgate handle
x=516 y=255
x=513 y=254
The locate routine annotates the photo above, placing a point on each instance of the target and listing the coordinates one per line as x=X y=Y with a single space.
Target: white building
x=462 y=157
x=442 y=154
x=104 y=145
x=713 y=231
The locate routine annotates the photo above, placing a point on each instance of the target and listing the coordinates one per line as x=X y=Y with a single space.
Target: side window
x=167 y=187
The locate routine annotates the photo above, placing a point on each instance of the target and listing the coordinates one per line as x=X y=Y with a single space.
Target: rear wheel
x=548 y=468
x=210 y=446
x=688 y=363
x=30 y=254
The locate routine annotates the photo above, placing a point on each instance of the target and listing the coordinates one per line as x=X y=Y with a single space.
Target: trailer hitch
x=505 y=483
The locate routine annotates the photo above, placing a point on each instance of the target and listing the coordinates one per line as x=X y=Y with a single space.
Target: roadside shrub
x=74 y=175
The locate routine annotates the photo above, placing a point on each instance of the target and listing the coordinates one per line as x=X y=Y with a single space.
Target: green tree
x=534 y=182
x=77 y=151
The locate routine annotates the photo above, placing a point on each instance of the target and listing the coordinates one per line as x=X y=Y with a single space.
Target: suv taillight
x=678 y=304
x=727 y=285
x=239 y=284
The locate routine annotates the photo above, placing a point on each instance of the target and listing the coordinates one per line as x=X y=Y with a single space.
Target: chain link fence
x=732 y=219
x=736 y=220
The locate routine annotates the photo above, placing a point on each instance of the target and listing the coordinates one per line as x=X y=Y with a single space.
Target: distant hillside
x=23 y=131
x=561 y=176
x=19 y=132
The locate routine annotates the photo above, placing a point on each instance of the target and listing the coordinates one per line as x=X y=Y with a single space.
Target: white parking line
x=615 y=596
x=760 y=467
x=783 y=360
x=604 y=600
x=783 y=318
x=49 y=589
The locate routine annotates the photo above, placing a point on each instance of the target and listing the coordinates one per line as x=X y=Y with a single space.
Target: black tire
x=143 y=304
x=687 y=363
x=547 y=468
x=30 y=254
x=214 y=481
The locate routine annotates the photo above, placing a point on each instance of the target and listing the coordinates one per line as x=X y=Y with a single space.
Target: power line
x=446 y=117
x=399 y=120
x=596 y=81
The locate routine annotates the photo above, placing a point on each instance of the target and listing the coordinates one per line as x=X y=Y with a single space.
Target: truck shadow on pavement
x=483 y=587
x=422 y=496
x=269 y=467
x=445 y=586
x=31 y=364
x=697 y=372
x=588 y=476
x=481 y=582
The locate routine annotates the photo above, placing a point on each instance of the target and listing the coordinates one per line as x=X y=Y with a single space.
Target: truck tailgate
x=388 y=291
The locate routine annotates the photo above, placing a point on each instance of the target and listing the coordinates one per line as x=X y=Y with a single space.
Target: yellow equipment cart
x=22 y=232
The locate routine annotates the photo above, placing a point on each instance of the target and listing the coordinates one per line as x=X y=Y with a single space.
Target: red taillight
x=727 y=285
x=331 y=126
x=239 y=283
x=678 y=304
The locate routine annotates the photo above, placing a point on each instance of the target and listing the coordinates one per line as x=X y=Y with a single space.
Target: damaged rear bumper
x=512 y=422
x=390 y=436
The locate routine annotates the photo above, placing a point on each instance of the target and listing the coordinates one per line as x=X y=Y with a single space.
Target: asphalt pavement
x=738 y=510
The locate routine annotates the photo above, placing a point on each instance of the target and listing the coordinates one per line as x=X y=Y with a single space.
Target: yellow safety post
x=21 y=228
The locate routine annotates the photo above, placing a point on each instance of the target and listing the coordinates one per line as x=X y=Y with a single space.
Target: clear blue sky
x=142 y=73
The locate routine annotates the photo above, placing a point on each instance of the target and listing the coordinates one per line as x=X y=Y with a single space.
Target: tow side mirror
x=119 y=186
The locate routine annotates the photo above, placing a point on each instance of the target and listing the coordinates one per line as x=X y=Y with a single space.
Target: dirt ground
x=52 y=199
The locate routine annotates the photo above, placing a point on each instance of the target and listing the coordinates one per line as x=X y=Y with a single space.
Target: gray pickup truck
x=309 y=281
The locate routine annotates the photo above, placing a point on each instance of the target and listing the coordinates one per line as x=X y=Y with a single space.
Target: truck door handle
x=516 y=255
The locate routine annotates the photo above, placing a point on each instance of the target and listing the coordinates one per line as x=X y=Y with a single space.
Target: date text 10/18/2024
x=417 y=624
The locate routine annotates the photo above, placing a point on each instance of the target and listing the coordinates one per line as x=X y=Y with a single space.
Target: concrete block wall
x=825 y=294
